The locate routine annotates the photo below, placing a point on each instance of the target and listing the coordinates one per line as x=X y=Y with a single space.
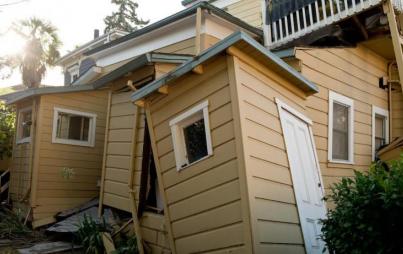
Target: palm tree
x=41 y=50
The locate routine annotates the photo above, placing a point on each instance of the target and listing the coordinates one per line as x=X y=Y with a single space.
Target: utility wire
x=13 y=3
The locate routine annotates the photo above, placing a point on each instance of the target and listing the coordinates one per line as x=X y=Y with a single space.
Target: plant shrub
x=89 y=235
x=127 y=245
x=368 y=213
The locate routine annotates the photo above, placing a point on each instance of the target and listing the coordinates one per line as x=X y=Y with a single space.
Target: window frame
x=20 y=140
x=74 y=70
x=91 y=129
x=384 y=113
x=177 y=125
x=346 y=101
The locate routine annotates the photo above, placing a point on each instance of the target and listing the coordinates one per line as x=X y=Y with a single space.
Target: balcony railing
x=315 y=16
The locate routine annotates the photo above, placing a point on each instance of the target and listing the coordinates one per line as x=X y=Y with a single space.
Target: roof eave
x=173 y=18
x=294 y=76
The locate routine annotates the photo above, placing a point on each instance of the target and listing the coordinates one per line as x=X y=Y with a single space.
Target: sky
x=75 y=20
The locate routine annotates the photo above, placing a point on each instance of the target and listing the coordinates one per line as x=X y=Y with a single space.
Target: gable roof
x=137 y=63
x=276 y=64
x=132 y=65
x=175 y=17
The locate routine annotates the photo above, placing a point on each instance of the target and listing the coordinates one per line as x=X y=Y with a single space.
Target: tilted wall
x=274 y=215
x=51 y=192
x=203 y=204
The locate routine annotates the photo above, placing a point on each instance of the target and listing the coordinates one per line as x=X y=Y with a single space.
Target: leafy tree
x=125 y=19
x=7 y=122
x=41 y=50
x=368 y=216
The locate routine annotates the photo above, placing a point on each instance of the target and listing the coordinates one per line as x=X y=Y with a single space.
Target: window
x=73 y=127
x=24 y=125
x=341 y=129
x=74 y=73
x=380 y=129
x=191 y=136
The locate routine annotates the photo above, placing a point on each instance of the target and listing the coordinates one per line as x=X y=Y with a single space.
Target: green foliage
x=89 y=235
x=40 y=51
x=368 y=217
x=7 y=129
x=11 y=226
x=127 y=245
x=125 y=19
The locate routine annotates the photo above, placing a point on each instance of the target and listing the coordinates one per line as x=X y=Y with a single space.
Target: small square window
x=73 y=127
x=24 y=125
x=191 y=136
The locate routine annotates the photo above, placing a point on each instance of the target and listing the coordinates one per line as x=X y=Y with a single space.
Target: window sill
x=341 y=162
x=72 y=142
x=193 y=163
x=23 y=141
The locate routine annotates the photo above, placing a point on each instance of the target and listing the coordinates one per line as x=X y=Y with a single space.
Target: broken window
x=191 y=136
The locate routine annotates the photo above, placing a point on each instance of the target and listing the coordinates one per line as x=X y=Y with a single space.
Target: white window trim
x=178 y=138
x=92 y=128
x=27 y=139
x=335 y=97
x=74 y=70
x=382 y=112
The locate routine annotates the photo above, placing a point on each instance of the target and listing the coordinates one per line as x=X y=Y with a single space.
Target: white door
x=305 y=175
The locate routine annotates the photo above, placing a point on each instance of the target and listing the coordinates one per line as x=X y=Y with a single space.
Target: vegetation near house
x=41 y=50
x=368 y=214
x=125 y=19
x=7 y=128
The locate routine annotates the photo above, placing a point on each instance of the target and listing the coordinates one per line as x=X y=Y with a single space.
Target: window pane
x=72 y=127
x=340 y=132
x=26 y=118
x=195 y=140
x=380 y=137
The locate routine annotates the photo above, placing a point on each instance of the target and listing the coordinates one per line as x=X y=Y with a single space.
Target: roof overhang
x=271 y=60
x=32 y=92
x=186 y=13
x=89 y=75
x=137 y=63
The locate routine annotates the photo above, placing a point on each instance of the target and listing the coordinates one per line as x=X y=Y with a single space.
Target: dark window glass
x=340 y=147
x=26 y=121
x=195 y=140
x=73 y=127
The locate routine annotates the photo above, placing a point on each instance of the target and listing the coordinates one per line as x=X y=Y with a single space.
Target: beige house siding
x=249 y=11
x=183 y=47
x=352 y=72
x=212 y=182
x=119 y=151
x=20 y=178
x=397 y=111
x=274 y=215
x=51 y=192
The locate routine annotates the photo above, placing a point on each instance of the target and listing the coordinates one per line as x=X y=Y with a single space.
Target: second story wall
x=249 y=11
x=353 y=73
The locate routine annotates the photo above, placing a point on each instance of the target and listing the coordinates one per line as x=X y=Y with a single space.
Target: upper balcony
x=290 y=20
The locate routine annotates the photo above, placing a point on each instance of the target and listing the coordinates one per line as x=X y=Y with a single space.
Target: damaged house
x=225 y=124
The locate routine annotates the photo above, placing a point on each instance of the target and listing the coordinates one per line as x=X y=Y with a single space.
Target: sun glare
x=11 y=43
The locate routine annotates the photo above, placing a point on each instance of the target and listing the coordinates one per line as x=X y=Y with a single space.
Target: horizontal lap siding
x=204 y=199
x=397 y=111
x=274 y=214
x=182 y=47
x=119 y=151
x=20 y=177
x=250 y=11
x=53 y=192
x=352 y=72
